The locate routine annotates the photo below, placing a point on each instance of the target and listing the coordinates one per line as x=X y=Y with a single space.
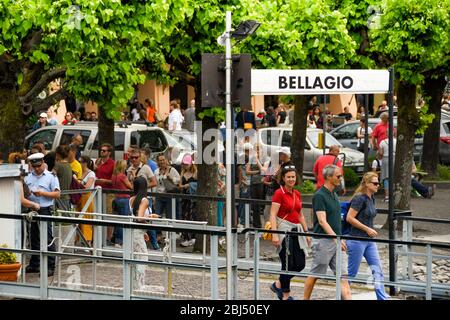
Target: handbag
x=75 y=185
x=247 y=125
x=268 y=225
x=169 y=185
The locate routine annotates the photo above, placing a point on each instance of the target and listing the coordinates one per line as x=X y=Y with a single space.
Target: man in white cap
x=44 y=187
x=42 y=122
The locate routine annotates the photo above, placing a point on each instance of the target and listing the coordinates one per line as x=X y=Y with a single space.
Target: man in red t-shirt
x=380 y=131
x=104 y=167
x=323 y=161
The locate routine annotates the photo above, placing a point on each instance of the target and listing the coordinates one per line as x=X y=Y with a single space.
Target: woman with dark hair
x=315 y=120
x=140 y=209
x=88 y=181
x=286 y=215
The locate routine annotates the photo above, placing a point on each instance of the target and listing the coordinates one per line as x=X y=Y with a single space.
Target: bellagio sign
x=284 y=82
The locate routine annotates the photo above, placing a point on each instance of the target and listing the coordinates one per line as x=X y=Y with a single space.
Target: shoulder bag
x=268 y=224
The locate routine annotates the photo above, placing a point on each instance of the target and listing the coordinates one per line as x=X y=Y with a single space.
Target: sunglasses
x=104 y=150
x=134 y=157
x=288 y=167
x=375 y=183
x=339 y=176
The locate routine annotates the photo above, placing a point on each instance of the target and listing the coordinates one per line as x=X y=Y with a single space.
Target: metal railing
x=215 y=263
x=44 y=291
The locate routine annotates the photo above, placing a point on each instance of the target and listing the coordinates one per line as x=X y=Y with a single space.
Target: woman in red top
x=120 y=182
x=286 y=215
x=69 y=119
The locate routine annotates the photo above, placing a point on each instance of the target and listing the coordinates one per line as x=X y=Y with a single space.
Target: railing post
x=247 y=235
x=43 y=258
x=405 y=258
x=98 y=234
x=213 y=261
x=173 y=235
x=256 y=265
x=127 y=250
x=338 y=268
x=410 y=237
x=428 y=292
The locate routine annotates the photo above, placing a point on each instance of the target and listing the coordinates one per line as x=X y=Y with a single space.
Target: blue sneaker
x=278 y=292
x=290 y=298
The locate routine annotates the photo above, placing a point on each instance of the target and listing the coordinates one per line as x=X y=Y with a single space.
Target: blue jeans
x=367 y=249
x=241 y=206
x=152 y=233
x=423 y=190
x=163 y=207
x=123 y=209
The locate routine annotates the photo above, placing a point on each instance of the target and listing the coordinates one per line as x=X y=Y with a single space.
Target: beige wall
x=158 y=93
x=257 y=104
x=339 y=101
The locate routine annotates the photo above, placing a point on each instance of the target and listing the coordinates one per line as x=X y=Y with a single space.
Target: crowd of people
x=257 y=177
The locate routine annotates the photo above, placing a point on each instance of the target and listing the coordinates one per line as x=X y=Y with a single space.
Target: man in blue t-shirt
x=146 y=153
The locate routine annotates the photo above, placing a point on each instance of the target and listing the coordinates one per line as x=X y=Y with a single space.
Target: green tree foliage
x=104 y=47
x=414 y=38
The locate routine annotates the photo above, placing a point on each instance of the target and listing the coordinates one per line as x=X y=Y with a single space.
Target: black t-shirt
x=282 y=115
x=270 y=120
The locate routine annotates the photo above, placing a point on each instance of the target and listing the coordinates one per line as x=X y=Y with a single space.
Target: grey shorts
x=324 y=256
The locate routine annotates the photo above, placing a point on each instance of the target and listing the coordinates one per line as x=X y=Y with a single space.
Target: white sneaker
x=240 y=226
x=222 y=241
x=119 y=246
x=188 y=243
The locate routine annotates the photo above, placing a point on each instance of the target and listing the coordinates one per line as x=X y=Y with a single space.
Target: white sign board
x=299 y=82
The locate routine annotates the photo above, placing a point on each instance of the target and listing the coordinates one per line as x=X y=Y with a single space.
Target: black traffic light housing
x=213 y=80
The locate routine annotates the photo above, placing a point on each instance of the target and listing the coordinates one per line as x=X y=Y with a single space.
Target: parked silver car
x=272 y=139
x=346 y=134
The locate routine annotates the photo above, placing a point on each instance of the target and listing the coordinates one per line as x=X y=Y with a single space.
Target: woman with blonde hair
x=360 y=216
x=187 y=185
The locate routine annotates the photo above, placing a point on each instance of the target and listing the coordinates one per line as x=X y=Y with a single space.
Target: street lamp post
x=244 y=29
x=229 y=157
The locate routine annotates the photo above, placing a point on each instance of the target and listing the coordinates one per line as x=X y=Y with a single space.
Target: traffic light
x=213 y=80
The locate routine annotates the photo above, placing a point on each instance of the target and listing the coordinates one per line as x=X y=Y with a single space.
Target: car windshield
x=313 y=137
x=182 y=142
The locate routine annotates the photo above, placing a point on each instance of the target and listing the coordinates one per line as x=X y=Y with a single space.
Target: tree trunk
x=299 y=133
x=105 y=130
x=12 y=122
x=433 y=89
x=207 y=177
x=407 y=122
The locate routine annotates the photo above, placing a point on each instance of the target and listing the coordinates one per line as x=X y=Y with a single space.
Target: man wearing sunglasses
x=44 y=187
x=139 y=169
x=327 y=220
x=104 y=167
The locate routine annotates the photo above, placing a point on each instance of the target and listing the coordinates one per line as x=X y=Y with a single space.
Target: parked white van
x=125 y=134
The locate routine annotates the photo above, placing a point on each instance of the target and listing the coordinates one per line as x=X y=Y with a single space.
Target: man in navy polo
x=44 y=187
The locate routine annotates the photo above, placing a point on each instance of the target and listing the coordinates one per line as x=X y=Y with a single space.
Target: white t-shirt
x=175 y=117
x=384 y=145
x=174 y=177
x=362 y=130
x=135 y=114
x=375 y=164
x=91 y=174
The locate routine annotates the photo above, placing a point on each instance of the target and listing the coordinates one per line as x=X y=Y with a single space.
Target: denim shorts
x=324 y=256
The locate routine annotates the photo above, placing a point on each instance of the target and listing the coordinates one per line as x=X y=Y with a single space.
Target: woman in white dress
x=140 y=209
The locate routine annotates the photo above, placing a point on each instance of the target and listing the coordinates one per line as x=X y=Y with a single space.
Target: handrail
x=209 y=230
x=423 y=219
x=212 y=230
x=305 y=205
